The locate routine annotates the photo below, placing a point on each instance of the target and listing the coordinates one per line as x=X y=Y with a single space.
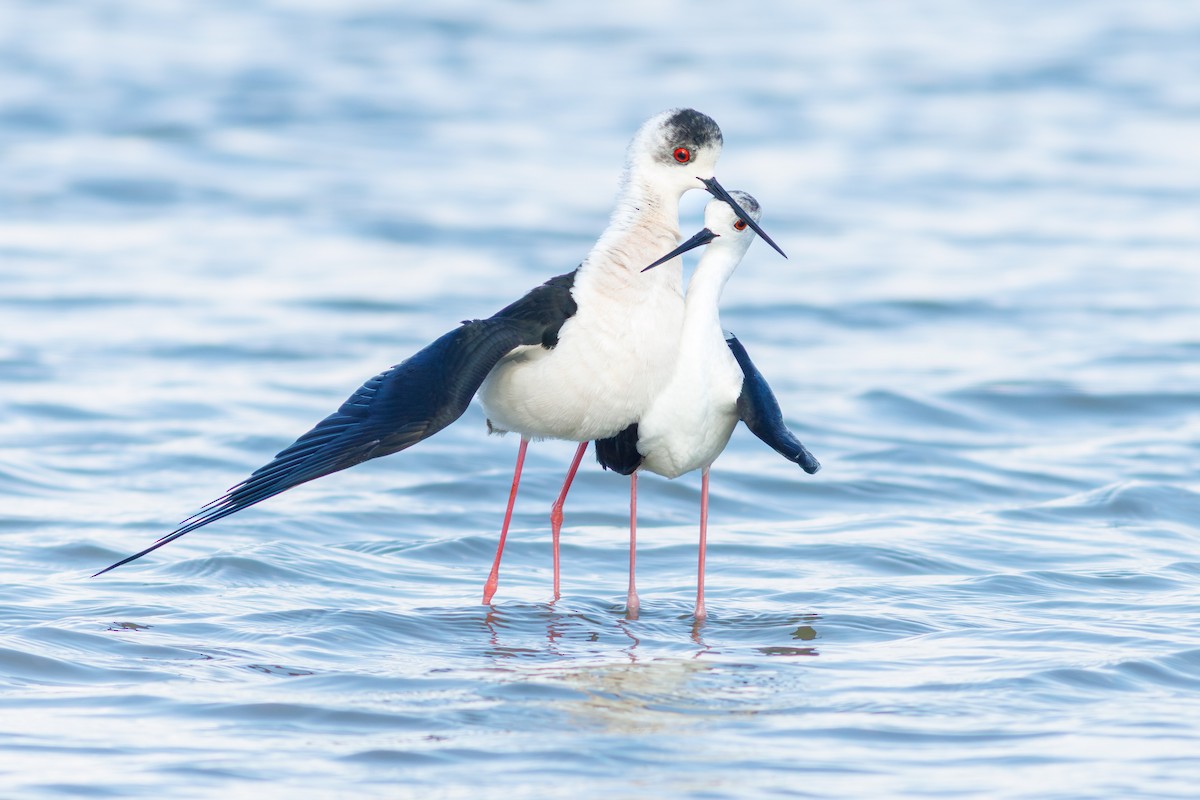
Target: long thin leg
x=556 y=510
x=489 y=588
x=631 y=601
x=701 y=613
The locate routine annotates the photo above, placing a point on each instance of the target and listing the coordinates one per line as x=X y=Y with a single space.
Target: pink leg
x=631 y=601
x=489 y=588
x=556 y=510
x=701 y=613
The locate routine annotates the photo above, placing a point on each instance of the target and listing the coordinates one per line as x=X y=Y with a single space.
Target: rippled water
x=217 y=219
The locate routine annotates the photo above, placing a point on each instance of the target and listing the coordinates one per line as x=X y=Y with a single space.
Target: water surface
x=216 y=220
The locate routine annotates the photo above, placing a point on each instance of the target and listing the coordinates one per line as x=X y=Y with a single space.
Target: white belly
x=613 y=357
x=690 y=423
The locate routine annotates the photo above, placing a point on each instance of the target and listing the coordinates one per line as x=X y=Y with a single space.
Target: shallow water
x=216 y=220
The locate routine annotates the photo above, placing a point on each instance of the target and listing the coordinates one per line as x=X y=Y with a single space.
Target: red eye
x=740 y=225
x=683 y=155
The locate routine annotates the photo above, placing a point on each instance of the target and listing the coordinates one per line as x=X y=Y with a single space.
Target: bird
x=615 y=371
x=578 y=357
x=713 y=385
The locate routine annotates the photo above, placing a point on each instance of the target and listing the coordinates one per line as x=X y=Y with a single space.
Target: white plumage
x=612 y=356
x=711 y=386
x=614 y=352
x=692 y=417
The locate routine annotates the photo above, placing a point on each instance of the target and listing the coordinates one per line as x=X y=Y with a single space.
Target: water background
x=217 y=219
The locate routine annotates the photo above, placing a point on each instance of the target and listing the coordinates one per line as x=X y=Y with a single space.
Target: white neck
x=644 y=226
x=702 y=315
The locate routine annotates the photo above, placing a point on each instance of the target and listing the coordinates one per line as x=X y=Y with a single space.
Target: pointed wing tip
x=106 y=569
x=163 y=541
x=808 y=462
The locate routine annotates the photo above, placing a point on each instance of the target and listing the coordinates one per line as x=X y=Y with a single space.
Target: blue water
x=217 y=219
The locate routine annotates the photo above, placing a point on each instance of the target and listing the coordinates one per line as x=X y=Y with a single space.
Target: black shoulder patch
x=545 y=308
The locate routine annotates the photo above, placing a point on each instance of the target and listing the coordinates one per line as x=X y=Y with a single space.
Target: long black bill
x=699 y=240
x=718 y=191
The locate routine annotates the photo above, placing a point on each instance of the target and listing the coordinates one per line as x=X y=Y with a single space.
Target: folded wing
x=758 y=408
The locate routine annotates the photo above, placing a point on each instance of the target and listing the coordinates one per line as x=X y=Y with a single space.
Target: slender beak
x=718 y=191
x=699 y=240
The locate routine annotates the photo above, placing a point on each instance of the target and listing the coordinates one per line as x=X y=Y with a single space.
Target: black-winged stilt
x=713 y=384
x=579 y=357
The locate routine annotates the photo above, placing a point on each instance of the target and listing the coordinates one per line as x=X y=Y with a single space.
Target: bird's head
x=677 y=151
x=724 y=228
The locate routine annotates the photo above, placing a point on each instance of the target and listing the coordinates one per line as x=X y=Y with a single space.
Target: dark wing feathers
x=620 y=453
x=758 y=408
x=547 y=308
x=400 y=406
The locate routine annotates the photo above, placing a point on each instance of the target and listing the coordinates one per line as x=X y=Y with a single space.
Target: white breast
x=613 y=356
x=690 y=422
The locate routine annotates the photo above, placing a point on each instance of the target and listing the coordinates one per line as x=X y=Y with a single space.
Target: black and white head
x=676 y=151
x=724 y=228
x=721 y=219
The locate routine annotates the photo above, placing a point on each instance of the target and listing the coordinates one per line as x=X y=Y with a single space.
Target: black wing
x=620 y=453
x=399 y=407
x=758 y=408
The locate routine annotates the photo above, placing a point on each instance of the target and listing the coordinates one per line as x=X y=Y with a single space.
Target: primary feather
x=398 y=407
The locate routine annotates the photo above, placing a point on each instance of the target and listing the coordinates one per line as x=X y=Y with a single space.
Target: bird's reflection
x=565 y=629
x=634 y=641
x=628 y=676
x=640 y=697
